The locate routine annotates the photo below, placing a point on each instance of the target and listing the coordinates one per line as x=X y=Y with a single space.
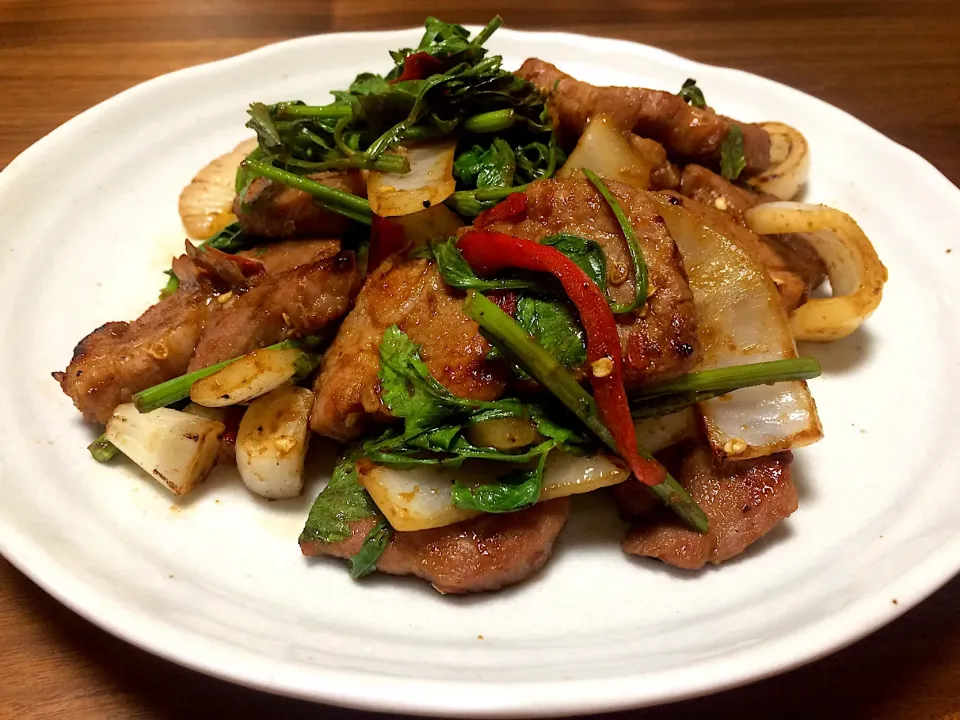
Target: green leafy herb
x=732 y=159
x=262 y=123
x=494 y=166
x=514 y=491
x=456 y=272
x=376 y=541
x=640 y=279
x=554 y=324
x=587 y=254
x=173 y=284
x=342 y=501
x=692 y=94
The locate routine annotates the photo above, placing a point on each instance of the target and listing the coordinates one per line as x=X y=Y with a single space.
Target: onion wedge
x=429 y=182
x=247 y=378
x=420 y=498
x=604 y=150
x=176 y=448
x=206 y=204
x=855 y=271
x=789 y=162
x=741 y=321
x=272 y=442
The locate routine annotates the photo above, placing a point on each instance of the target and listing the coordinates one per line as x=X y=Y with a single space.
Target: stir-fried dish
x=495 y=290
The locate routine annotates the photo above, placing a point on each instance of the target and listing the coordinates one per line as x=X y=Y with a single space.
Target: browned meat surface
x=119 y=359
x=660 y=339
x=281 y=256
x=709 y=188
x=408 y=293
x=486 y=553
x=274 y=210
x=792 y=264
x=743 y=500
x=295 y=303
x=664 y=175
x=689 y=134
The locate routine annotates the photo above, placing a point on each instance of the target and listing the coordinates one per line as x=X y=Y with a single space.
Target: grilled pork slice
x=486 y=553
x=689 y=134
x=298 y=302
x=286 y=255
x=270 y=209
x=119 y=359
x=744 y=500
x=408 y=293
x=660 y=339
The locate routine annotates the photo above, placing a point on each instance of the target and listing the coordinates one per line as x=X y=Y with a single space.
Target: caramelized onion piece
x=429 y=182
x=740 y=320
x=206 y=204
x=604 y=150
x=789 y=162
x=855 y=271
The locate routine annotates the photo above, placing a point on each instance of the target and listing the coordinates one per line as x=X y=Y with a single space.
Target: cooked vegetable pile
x=620 y=315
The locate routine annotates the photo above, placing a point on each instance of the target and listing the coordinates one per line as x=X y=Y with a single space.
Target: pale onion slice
x=207 y=413
x=429 y=182
x=502 y=433
x=436 y=223
x=247 y=378
x=206 y=204
x=740 y=320
x=177 y=449
x=603 y=149
x=420 y=498
x=855 y=271
x=659 y=433
x=272 y=442
x=789 y=162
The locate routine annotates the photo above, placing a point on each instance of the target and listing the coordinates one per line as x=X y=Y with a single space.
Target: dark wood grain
x=893 y=64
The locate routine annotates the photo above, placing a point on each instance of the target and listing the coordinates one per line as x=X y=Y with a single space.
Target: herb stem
x=344 y=203
x=178 y=388
x=640 y=275
x=487 y=31
x=359 y=161
x=728 y=379
x=102 y=449
x=321 y=112
x=514 y=341
x=490 y=122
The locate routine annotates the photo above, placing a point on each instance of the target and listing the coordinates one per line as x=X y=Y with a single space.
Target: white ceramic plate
x=217 y=583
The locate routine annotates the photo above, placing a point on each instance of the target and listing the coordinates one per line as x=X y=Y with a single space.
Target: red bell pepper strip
x=418 y=66
x=386 y=238
x=513 y=205
x=489 y=252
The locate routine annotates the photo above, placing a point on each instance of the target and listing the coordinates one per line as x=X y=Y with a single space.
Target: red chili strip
x=511 y=206
x=418 y=66
x=490 y=252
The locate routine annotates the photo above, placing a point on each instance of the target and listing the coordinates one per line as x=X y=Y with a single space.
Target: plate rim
x=598 y=695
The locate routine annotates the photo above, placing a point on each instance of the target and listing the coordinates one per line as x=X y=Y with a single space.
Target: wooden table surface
x=894 y=64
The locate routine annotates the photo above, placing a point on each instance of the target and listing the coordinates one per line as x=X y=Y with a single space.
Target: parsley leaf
x=494 y=166
x=517 y=490
x=342 y=501
x=554 y=325
x=457 y=272
x=587 y=254
x=692 y=94
x=732 y=160
x=376 y=541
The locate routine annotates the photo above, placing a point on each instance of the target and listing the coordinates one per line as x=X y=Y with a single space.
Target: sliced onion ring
x=740 y=320
x=429 y=182
x=789 y=162
x=855 y=271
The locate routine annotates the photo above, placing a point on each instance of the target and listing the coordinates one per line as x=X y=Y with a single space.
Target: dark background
x=894 y=64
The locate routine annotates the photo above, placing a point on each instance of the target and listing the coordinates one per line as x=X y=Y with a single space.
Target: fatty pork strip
x=270 y=209
x=689 y=134
x=408 y=293
x=659 y=340
x=791 y=261
x=297 y=302
x=120 y=359
x=485 y=553
x=744 y=500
